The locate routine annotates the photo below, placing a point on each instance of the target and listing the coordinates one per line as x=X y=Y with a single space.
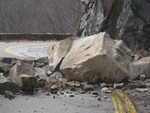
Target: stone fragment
x=10 y=61
x=41 y=62
x=74 y=84
x=4 y=68
x=9 y=94
x=5 y=84
x=142 y=89
x=40 y=72
x=97 y=58
x=54 y=87
x=20 y=68
x=27 y=82
x=118 y=85
x=103 y=84
x=57 y=51
x=88 y=87
x=106 y=90
x=140 y=68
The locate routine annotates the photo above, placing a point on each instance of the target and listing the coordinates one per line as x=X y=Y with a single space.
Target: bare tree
x=27 y=16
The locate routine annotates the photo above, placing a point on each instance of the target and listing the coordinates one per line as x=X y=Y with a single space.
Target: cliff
x=128 y=20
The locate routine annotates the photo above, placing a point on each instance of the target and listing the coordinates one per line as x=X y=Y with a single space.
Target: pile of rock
x=75 y=63
x=97 y=58
x=25 y=75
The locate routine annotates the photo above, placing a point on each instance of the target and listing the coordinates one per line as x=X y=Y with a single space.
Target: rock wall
x=128 y=20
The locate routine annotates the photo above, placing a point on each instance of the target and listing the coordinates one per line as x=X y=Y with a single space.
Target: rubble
x=97 y=58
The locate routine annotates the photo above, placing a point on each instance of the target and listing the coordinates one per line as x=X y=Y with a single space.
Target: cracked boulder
x=7 y=85
x=141 y=66
x=57 y=51
x=97 y=58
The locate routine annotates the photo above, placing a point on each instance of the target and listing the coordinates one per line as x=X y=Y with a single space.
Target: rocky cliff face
x=128 y=20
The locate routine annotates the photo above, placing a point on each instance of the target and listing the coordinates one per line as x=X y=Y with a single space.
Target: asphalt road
x=128 y=101
x=24 y=50
x=125 y=102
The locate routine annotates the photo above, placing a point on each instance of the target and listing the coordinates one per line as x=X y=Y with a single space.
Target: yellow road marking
x=129 y=104
x=10 y=49
x=119 y=107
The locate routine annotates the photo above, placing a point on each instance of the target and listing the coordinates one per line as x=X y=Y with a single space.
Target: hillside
x=39 y=16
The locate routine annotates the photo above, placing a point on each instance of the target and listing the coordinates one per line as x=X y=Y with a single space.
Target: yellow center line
x=131 y=108
x=119 y=107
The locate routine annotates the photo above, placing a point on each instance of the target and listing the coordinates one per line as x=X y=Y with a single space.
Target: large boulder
x=7 y=85
x=57 y=51
x=138 y=67
x=121 y=19
x=97 y=58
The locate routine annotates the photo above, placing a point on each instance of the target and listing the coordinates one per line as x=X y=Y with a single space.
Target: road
x=128 y=101
x=115 y=102
x=24 y=50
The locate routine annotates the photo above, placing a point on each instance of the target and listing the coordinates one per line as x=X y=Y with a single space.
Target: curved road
x=24 y=50
x=118 y=102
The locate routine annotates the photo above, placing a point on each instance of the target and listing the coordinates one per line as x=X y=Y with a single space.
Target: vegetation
x=39 y=16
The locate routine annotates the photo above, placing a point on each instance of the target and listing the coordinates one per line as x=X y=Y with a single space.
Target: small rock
x=142 y=76
x=119 y=85
x=74 y=84
x=54 y=87
x=82 y=92
x=142 y=85
x=142 y=89
x=103 y=85
x=108 y=100
x=53 y=91
x=105 y=97
x=71 y=96
x=88 y=87
x=62 y=93
x=48 y=73
x=94 y=93
x=106 y=90
x=99 y=99
x=9 y=94
x=47 y=94
x=73 y=89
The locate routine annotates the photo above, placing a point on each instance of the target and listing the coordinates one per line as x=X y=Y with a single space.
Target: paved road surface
x=24 y=49
x=114 y=103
